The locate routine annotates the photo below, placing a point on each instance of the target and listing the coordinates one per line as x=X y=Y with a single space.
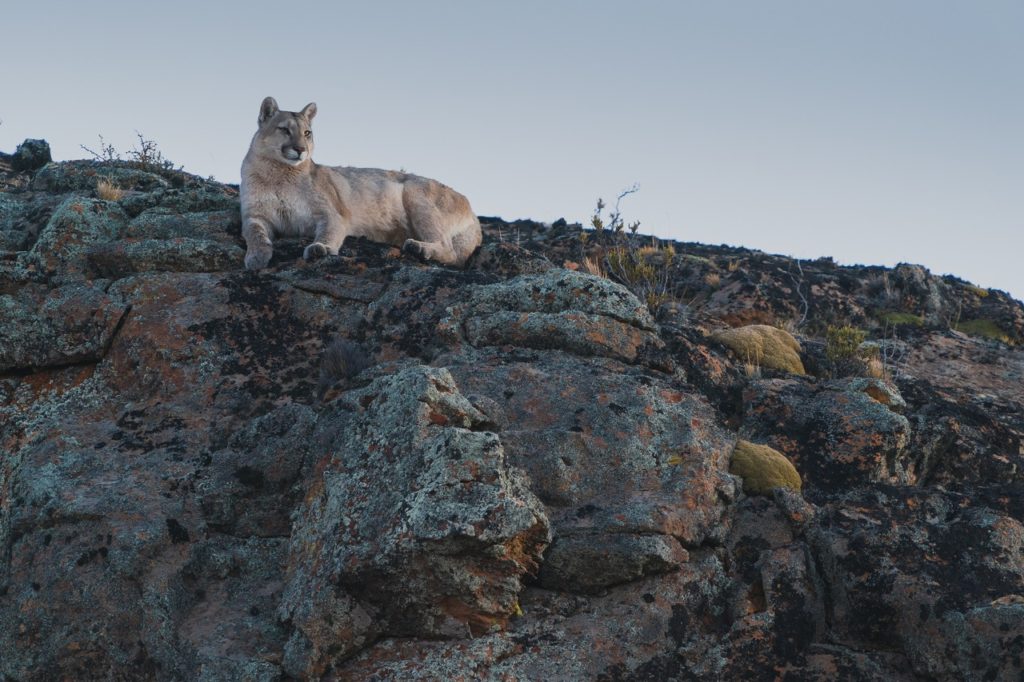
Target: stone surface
x=30 y=155
x=414 y=512
x=836 y=434
x=47 y=327
x=524 y=475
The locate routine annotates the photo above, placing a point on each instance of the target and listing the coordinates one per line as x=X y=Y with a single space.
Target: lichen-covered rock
x=163 y=223
x=559 y=291
x=762 y=468
x=589 y=563
x=640 y=631
x=836 y=434
x=82 y=176
x=924 y=572
x=46 y=327
x=416 y=514
x=30 y=155
x=763 y=346
x=562 y=309
x=634 y=455
x=76 y=225
x=117 y=259
x=180 y=499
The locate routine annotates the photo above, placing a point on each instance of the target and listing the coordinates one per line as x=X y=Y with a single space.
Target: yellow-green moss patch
x=898 y=319
x=977 y=291
x=764 y=346
x=763 y=468
x=984 y=328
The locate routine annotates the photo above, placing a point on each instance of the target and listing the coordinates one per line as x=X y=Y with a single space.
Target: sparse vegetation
x=108 y=191
x=984 y=328
x=980 y=292
x=843 y=343
x=145 y=155
x=614 y=222
x=644 y=270
x=893 y=318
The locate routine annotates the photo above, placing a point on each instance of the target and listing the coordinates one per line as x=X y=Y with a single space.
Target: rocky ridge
x=530 y=476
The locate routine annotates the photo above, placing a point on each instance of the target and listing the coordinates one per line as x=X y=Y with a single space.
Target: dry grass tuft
x=108 y=191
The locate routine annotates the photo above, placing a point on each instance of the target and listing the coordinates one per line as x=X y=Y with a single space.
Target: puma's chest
x=291 y=213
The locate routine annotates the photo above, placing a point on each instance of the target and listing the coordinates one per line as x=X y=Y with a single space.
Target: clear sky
x=871 y=131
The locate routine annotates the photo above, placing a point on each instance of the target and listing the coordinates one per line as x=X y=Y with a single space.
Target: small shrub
x=614 y=223
x=843 y=343
x=106 y=154
x=984 y=328
x=108 y=191
x=643 y=270
x=341 y=362
x=847 y=353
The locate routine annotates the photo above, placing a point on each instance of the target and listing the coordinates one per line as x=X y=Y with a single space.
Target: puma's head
x=284 y=136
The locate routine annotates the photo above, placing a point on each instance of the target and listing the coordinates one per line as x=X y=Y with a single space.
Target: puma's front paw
x=256 y=259
x=315 y=250
x=414 y=249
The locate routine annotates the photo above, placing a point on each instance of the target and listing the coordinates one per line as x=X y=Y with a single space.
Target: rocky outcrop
x=367 y=467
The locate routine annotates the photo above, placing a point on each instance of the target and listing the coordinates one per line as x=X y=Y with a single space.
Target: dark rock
x=30 y=155
x=839 y=434
x=589 y=563
x=47 y=327
x=921 y=572
x=183 y=254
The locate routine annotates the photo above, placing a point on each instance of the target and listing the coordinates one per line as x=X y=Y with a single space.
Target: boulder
x=30 y=155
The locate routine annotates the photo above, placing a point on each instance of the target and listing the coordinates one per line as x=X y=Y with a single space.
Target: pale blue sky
x=874 y=132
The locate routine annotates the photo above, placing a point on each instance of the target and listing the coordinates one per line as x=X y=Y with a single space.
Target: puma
x=284 y=193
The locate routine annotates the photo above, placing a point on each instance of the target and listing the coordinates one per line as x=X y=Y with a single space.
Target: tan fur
x=285 y=194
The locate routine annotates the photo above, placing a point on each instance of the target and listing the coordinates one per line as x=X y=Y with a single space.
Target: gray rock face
x=559 y=309
x=522 y=475
x=415 y=515
x=46 y=327
x=839 y=434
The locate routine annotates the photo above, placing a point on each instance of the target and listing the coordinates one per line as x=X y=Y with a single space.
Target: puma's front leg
x=258 y=245
x=330 y=234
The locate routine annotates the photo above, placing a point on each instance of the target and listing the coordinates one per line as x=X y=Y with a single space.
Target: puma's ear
x=309 y=111
x=267 y=109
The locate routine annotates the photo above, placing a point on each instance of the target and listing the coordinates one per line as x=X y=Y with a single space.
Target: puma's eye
x=308 y=133
x=283 y=129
